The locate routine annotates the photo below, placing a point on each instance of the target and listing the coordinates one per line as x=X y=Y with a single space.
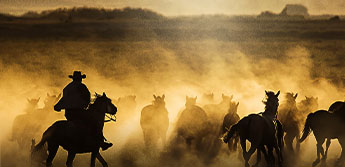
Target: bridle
x=110 y=117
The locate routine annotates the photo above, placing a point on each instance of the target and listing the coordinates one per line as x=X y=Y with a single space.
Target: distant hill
x=85 y=13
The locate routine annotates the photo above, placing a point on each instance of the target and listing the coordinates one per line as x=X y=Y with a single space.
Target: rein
x=110 y=118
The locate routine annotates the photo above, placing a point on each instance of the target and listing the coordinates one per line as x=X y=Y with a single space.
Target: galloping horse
x=306 y=106
x=154 y=122
x=288 y=116
x=25 y=126
x=337 y=109
x=79 y=136
x=326 y=125
x=230 y=119
x=260 y=130
x=192 y=125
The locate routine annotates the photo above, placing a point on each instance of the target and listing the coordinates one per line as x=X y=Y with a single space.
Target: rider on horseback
x=76 y=98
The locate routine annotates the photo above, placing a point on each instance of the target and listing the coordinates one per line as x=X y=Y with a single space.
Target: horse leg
x=163 y=138
x=93 y=158
x=288 y=138
x=340 y=161
x=271 y=158
x=101 y=160
x=252 y=149
x=279 y=154
x=298 y=144
x=328 y=143
x=189 y=143
x=52 y=150
x=70 y=158
x=258 y=159
x=244 y=151
x=319 y=150
x=236 y=139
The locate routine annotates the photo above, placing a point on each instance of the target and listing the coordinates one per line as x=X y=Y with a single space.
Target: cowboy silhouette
x=75 y=100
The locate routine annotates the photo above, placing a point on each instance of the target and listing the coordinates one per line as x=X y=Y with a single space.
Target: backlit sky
x=180 y=7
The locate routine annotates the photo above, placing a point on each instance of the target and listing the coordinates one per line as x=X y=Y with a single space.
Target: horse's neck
x=270 y=113
x=95 y=117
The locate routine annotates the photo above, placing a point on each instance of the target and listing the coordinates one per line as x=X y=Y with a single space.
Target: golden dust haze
x=175 y=56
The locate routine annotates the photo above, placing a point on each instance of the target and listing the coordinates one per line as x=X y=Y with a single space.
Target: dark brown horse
x=230 y=119
x=192 y=124
x=154 y=122
x=325 y=125
x=260 y=130
x=288 y=115
x=79 y=136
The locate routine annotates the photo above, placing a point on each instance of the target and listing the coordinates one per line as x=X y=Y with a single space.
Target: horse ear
x=104 y=94
x=222 y=95
x=154 y=96
x=231 y=97
x=317 y=98
x=295 y=95
x=38 y=99
x=278 y=93
x=266 y=92
x=196 y=97
x=48 y=94
x=238 y=103
x=163 y=96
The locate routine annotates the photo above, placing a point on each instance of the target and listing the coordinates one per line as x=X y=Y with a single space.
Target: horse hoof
x=316 y=162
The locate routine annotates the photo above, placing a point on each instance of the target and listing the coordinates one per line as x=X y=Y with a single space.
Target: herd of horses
x=202 y=130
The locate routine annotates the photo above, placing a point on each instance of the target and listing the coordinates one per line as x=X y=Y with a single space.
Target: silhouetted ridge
x=94 y=14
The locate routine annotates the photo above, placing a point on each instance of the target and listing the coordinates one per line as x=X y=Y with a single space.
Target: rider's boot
x=105 y=145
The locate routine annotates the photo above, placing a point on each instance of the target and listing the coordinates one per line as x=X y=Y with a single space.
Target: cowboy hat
x=77 y=75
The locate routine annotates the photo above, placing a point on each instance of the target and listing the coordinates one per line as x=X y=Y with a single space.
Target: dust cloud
x=31 y=69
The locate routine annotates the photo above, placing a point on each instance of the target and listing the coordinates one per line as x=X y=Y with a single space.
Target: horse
x=79 y=136
x=260 y=130
x=216 y=112
x=325 y=125
x=288 y=116
x=127 y=104
x=207 y=98
x=192 y=124
x=46 y=114
x=230 y=119
x=306 y=106
x=154 y=122
x=24 y=126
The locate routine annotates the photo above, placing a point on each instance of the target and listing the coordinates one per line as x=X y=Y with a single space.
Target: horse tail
x=45 y=137
x=307 y=127
x=231 y=132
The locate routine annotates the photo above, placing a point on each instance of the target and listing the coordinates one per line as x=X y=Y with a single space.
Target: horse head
x=309 y=104
x=336 y=106
x=271 y=102
x=233 y=107
x=208 y=97
x=159 y=101
x=51 y=100
x=190 y=101
x=104 y=105
x=227 y=99
x=290 y=98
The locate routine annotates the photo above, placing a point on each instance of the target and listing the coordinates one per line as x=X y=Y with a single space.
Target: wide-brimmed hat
x=77 y=75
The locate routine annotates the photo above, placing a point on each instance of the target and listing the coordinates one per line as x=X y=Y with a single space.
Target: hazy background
x=179 y=7
x=140 y=52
